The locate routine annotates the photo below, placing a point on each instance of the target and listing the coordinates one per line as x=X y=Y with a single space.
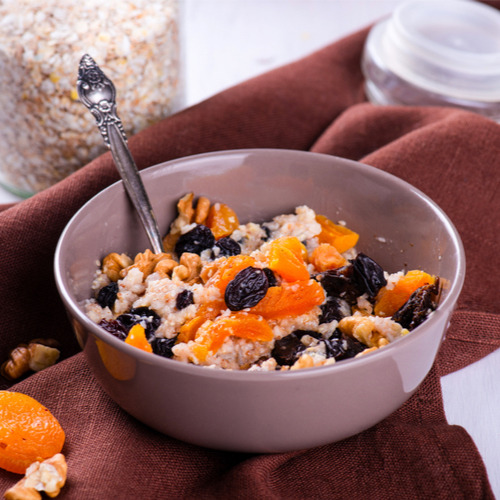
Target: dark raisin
x=287 y=350
x=340 y=346
x=247 y=289
x=271 y=278
x=114 y=327
x=331 y=310
x=107 y=295
x=368 y=275
x=195 y=241
x=184 y=299
x=127 y=321
x=268 y=233
x=420 y=304
x=339 y=283
x=227 y=248
x=163 y=347
x=143 y=315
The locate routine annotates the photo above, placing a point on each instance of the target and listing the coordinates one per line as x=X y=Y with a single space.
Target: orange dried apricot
x=137 y=337
x=228 y=270
x=286 y=257
x=325 y=257
x=241 y=324
x=389 y=302
x=338 y=236
x=222 y=220
x=28 y=432
x=290 y=300
x=207 y=311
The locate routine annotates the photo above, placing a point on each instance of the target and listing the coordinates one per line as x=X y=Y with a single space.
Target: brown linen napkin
x=314 y=104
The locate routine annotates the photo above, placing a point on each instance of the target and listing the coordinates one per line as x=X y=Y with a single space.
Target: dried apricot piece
x=137 y=337
x=286 y=257
x=28 y=432
x=290 y=300
x=389 y=302
x=325 y=257
x=248 y=326
x=222 y=220
x=207 y=311
x=228 y=270
x=336 y=235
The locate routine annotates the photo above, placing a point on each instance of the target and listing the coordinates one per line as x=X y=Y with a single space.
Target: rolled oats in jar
x=45 y=132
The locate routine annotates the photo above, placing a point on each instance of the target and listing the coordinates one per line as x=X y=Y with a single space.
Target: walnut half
x=48 y=476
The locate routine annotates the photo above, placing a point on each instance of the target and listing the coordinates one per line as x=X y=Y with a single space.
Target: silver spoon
x=98 y=94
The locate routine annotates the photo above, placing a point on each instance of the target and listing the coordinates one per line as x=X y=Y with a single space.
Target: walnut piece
x=165 y=267
x=38 y=355
x=42 y=356
x=18 y=363
x=114 y=263
x=146 y=262
x=305 y=361
x=202 y=209
x=189 y=268
x=48 y=476
x=362 y=328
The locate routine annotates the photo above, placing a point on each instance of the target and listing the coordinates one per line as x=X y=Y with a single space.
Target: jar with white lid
x=441 y=53
x=45 y=132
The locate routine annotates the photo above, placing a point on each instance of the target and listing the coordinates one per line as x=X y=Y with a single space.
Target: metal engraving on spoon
x=98 y=94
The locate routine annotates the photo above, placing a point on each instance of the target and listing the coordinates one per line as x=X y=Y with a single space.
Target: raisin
x=247 y=289
x=331 y=310
x=421 y=302
x=184 y=299
x=340 y=346
x=143 y=315
x=268 y=233
x=114 y=327
x=195 y=241
x=339 y=283
x=163 y=347
x=271 y=278
x=107 y=295
x=287 y=350
x=227 y=248
x=368 y=275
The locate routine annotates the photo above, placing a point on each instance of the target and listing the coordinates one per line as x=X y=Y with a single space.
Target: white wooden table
x=229 y=41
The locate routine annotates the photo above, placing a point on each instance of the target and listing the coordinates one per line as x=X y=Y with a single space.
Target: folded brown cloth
x=315 y=104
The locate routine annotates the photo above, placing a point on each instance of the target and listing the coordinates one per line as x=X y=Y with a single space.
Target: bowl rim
x=265 y=376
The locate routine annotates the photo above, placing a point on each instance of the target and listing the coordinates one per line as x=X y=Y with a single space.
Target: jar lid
x=449 y=47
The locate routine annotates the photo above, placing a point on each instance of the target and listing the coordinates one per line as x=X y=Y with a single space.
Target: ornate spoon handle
x=98 y=94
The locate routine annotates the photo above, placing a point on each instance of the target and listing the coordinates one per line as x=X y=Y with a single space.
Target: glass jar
x=444 y=53
x=45 y=132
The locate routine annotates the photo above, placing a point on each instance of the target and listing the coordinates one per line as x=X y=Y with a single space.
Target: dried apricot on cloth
x=338 y=236
x=28 y=432
x=389 y=302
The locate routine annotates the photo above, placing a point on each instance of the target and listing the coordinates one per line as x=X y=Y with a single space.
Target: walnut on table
x=36 y=356
x=48 y=476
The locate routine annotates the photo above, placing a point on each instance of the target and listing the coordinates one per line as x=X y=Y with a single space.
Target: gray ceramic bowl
x=400 y=228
